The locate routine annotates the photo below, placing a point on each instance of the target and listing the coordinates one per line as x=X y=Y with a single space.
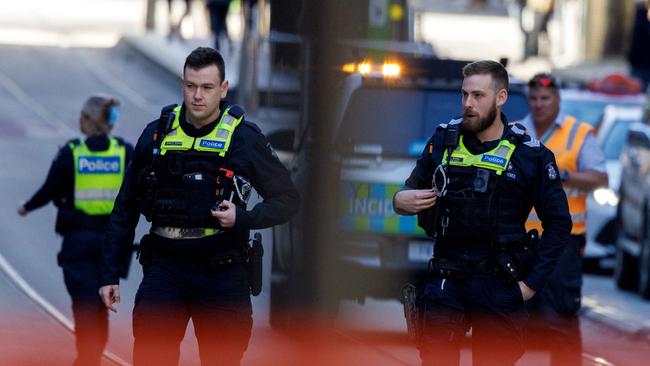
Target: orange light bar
x=349 y=68
x=391 y=70
x=365 y=68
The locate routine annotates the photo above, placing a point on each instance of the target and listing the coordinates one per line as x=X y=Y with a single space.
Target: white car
x=602 y=227
x=588 y=106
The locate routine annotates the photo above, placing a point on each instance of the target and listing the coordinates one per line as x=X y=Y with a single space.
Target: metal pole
x=150 y=15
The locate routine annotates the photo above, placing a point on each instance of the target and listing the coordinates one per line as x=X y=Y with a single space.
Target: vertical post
x=150 y=15
x=247 y=91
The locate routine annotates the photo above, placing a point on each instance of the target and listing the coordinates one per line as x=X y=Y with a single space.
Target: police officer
x=83 y=182
x=472 y=189
x=582 y=169
x=189 y=176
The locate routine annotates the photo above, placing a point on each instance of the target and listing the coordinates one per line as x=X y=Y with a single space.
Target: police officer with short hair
x=472 y=188
x=192 y=171
x=83 y=182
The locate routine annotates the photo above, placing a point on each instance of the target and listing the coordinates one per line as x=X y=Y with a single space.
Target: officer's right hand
x=110 y=295
x=415 y=200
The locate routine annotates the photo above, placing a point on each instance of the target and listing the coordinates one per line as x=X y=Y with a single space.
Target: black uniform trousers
x=172 y=292
x=79 y=258
x=488 y=303
x=554 y=312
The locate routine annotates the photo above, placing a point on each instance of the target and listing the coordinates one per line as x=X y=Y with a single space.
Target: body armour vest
x=472 y=213
x=192 y=174
x=97 y=176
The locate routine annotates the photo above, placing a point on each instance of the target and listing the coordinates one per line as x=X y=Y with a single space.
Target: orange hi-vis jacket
x=566 y=142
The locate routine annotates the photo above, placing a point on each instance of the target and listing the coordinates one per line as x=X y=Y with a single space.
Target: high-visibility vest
x=98 y=176
x=217 y=141
x=496 y=159
x=566 y=142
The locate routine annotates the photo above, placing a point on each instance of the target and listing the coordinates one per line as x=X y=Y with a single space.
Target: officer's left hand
x=226 y=214
x=526 y=292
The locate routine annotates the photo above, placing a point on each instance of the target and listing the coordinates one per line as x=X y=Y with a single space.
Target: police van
x=385 y=114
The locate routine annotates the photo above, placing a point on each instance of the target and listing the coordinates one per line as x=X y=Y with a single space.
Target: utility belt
x=514 y=260
x=250 y=255
x=461 y=269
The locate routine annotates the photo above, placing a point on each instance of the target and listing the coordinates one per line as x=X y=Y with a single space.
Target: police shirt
x=249 y=154
x=531 y=180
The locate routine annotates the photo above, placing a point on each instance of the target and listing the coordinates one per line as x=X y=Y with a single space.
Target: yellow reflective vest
x=216 y=141
x=98 y=176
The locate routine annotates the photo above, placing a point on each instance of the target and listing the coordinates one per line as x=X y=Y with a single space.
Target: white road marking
x=31 y=293
x=115 y=83
x=59 y=126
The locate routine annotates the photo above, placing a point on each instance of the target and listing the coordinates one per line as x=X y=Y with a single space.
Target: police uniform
x=576 y=150
x=83 y=181
x=192 y=267
x=481 y=248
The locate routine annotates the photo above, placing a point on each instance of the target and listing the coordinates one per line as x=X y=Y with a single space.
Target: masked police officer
x=472 y=189
x=190 y=175
x=83 y=182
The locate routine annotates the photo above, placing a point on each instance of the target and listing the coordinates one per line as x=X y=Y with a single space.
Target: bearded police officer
x=191 y=173
x=472 y=189
x=82 y=182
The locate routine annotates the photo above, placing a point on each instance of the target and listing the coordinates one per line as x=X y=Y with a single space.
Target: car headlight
x=606 y=196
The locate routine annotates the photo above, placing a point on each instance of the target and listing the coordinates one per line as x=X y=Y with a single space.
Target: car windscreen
x=398 y=122
x=613 y=143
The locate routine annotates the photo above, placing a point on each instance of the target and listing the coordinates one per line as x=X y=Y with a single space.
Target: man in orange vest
x=582 y=168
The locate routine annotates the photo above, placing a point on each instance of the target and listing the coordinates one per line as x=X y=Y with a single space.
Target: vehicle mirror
x=283 y=139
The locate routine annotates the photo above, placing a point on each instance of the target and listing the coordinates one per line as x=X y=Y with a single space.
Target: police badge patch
x=552 y=172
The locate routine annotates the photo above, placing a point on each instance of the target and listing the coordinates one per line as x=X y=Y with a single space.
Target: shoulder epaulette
x=518 y=129
x=444 y=126
x=236 y=111
x=168 y=108
x=530 y=141
x=120 y=141
x=73 y=143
